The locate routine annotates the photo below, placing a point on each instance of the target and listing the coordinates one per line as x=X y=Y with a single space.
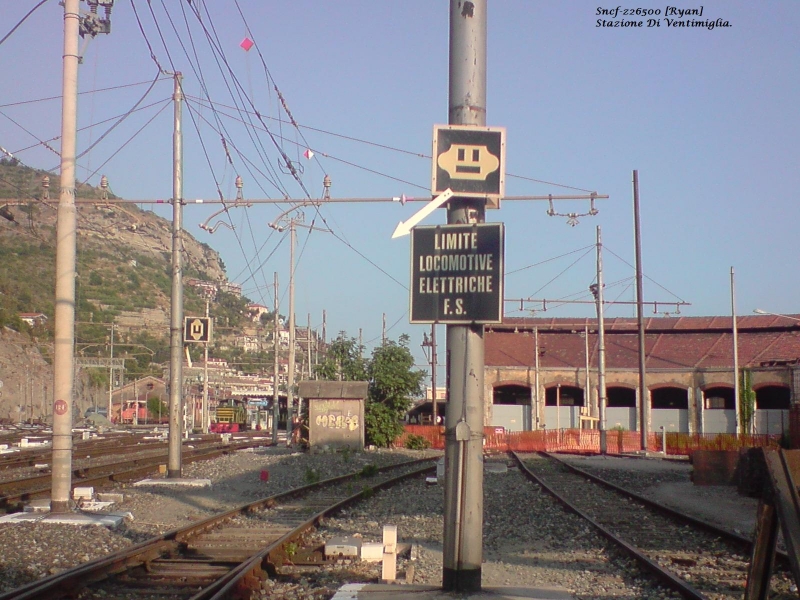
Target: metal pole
x=111 y=381
x=587 y=394
x=276 y=407
x=308 y=342
x=644 y=401
x=601 y=350
x=558 y=411
x=64 y=353
x=290 y=381
x=435 y=414
x=205 y=377
x=463 y=496
x=176 y=320
x=735 y=356
x=536 y=375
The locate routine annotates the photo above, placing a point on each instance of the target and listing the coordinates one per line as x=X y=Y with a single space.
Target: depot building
x=542 y=373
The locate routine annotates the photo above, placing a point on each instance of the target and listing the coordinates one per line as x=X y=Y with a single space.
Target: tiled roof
x=671 y=343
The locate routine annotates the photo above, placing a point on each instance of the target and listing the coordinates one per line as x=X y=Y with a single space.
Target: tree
x=392 y=382
x=343 y=361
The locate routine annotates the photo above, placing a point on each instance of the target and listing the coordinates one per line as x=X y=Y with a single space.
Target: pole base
x=60 y=506
x=173 y=474
x=464 y=580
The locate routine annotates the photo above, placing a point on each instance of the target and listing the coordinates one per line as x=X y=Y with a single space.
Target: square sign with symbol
x=196 y=329
x=469 y=160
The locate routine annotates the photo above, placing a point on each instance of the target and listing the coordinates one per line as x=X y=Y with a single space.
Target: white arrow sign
x=404 y=227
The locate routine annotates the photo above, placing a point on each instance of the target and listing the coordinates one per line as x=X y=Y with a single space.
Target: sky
x=706 y=117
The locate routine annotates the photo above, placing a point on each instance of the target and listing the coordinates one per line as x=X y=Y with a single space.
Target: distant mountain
x=123 y=265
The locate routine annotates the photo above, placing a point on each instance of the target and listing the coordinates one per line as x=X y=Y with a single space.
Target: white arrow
x=404 y=227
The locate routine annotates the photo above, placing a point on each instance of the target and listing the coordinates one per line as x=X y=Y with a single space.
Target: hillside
x=123 y=265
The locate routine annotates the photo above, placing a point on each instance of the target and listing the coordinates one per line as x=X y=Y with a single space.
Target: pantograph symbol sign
x=470 y=161
x=60 y=407
x=457 y=274
x=196 y=329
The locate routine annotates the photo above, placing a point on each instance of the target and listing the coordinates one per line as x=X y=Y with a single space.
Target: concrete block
x=372 y=551
x=162 y=469
x=86 y=493
x=110 y=497
x=389 y=566
x=342 y=546
x=495 y=467
x=37 y=505
x=715 y=467
x=390 y=538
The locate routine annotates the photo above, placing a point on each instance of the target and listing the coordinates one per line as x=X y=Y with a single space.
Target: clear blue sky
x=709 y=119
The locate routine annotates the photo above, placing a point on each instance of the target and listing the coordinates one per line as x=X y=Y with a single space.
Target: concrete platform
x=79 y=519
x=373 y=591
x=174 y=482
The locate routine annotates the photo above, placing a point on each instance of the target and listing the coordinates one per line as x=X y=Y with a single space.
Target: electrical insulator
x=103 y=182
x=326 y=184
x=239 y=183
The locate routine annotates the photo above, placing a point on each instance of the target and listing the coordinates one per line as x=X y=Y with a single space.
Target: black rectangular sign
x=457 y=274
x=196 y=329
x=469 y=160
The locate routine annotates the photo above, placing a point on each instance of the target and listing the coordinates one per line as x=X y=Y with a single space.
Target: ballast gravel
x=529 y=540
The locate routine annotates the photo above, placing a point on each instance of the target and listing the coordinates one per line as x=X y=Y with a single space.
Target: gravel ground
x=529 y=541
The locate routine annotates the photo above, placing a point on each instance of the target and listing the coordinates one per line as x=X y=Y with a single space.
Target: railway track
x=14 y=492
x=692 y=557
x=223 y=556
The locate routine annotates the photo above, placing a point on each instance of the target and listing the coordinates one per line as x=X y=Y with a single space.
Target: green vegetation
x=416 y=442
x=393 y=381
x=369 y=470
x=311 y=476
x=747 y=400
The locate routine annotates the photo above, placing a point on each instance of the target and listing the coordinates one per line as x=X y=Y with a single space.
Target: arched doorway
x=719 y=410
x=620 y=408
x=772 y=409
x=669 y=408
x=511 y=407
x=562 y=406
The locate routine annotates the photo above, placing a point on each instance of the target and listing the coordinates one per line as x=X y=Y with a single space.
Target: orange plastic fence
x=587 y=441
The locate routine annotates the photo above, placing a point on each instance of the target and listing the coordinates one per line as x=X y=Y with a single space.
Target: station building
x=541 y=373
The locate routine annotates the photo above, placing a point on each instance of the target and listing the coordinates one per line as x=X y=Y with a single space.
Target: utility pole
x=535 y=407
x=66 y=235
x=65 y=270
x=463 y=494
x=383 y=331
x=587 y=383
x=644 y=400
x=601 y=348
x=308 y=347
x=735 y=356
x=324 y=326
x=276 y=407
x=435 y=414
x=205 y=375
x=290 y=380
x=176 y=319
x=111 y=380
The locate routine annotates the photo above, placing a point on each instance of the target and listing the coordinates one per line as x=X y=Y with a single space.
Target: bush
x=416 y=442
